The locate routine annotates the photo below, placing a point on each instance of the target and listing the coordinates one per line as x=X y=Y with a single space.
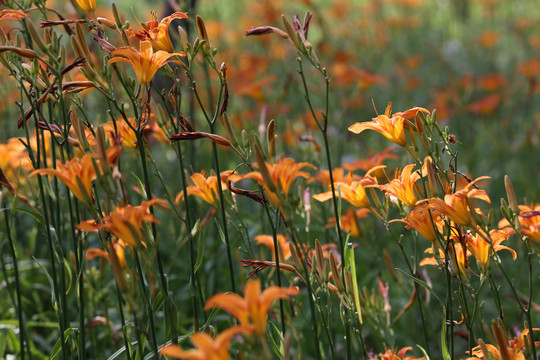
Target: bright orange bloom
x=206 y=348
x=158 y=32
x=10 y=14
x=481 y=248
x=338 y=174
x=118 y=247
x=397 y=355
x=77 y=174
x=252 y=309
x=283 y=173
x=268 y=240
x=145 y=62
x=205 y=187
x=529 y=221
x=512 y=349
x=14 y=157
x=423 y=219
x=371 y=161
x=349 y=221
x=458 y=257
x=393 y=128
x=126 y=222
x=87 y=5
x=456 y=207
x=354 y=193
x=403 y=187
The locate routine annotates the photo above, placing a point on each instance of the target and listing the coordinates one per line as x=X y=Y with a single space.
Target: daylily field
x=310 y=179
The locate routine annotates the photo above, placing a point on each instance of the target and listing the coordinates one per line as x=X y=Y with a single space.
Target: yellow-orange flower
x=397 y=355
x=423 y=219
x=393 y=128
x=87 y=5
x=205 y=187
x=402 y=187
x=283 y=244
x=456 y=206
x=158 y=32
x=349 y=221
x=354 y=193
x=11 y=14
x=118 y=247
x=481 y=249
x=144 y=62
x=206 y=348
x=77 y=174
x=126 y=222
x=529 y=221
x=283 y=172
x=458 y=257
x=253 y=308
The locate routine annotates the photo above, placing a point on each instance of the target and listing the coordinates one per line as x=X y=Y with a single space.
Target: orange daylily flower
x=283 y=244
x=349 y=221
x=391 y=127
x=481 y=249
x=338 y=174
x=118 y=247
x=458 y=257
x=529 y=221
x=423 y=219
x=87 y=5
x=402 y=187
x=158 y=32
x=371 y=161
x=512 y=349
x=252 y=309
x=144 y=62
x=397 y=355
x=206 y=348
x=354 y=193
x=205 y=187
x=456 y=206
x=283 y=173
x=11 y=14
x=126 y=222
x=75 y=173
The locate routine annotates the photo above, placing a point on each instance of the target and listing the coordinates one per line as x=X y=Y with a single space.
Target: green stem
x=146 y=300
x=18 y=305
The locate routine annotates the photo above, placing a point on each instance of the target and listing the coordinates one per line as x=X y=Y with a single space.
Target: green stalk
x=192 y=278
x=18 y=304
x=323 y=128
x=147 y=306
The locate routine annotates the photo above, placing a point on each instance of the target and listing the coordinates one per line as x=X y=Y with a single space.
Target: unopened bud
x=108 y=23
x=271 y=140
x=510 y=194
x=183 y=36
x=226 y=123
x=293 y=37
x=202 y=28
x=335 y=273
x=263 y=169
x=37 y=39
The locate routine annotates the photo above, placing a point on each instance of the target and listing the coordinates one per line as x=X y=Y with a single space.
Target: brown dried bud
x=265 y=30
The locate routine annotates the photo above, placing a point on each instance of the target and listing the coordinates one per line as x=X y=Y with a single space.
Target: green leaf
x=140 y=186
x=445 y=354
x=350 y=261
x=58 y=345
x=421 y=283
x=424 y=352
x=51 y=283
x=200 y=250
x=122 y=350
